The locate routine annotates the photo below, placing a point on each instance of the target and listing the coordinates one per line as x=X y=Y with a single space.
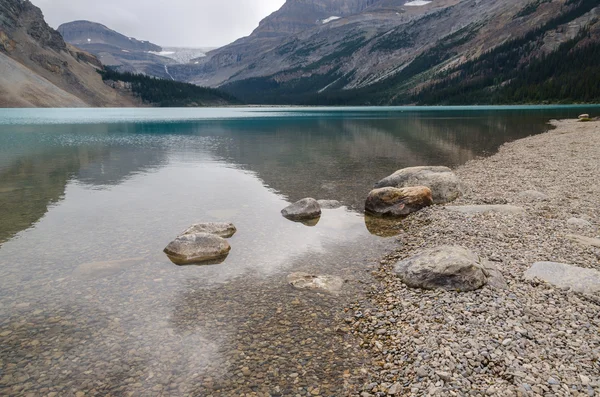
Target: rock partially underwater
x=397 y=202
x=303 y=210
x=199 y=248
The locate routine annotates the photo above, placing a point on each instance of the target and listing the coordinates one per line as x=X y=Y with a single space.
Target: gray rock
x=533 y=195
x=221 y=229
x=300 y=280
x=396 y=388
x=395 y=202
x=303 y=210
x=482 y=209
x=197 y=248
x=444 y=184
x=105 y=269
x=578 y=223
x=583 y=240
x=330 y=204
x=449 y=268
x=495 y=279
x=562 y=275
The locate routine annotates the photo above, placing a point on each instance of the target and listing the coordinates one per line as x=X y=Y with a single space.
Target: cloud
x=186 y=23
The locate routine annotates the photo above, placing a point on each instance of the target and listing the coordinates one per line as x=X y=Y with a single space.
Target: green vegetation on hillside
x=508 y=73
x=168 y=93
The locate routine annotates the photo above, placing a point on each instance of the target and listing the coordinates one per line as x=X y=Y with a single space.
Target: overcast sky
x=185 y=23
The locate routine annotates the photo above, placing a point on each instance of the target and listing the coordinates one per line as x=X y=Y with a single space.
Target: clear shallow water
x=85 y=186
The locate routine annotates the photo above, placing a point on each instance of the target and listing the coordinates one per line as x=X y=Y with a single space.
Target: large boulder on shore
x=221 y=229
x=396 y=202
x=197 y=248
x=450 y=268
x=444 y=184
x=562 y=275
x=303 y=210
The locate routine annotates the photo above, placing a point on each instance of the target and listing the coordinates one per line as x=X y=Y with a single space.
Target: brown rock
x=391 y=201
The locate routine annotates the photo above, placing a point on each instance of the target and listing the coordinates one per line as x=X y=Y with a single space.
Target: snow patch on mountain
x=327 y=20
x=182 y=55
x=417 y=3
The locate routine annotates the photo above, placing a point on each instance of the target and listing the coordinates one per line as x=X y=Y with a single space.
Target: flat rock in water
x=197 y=248
x=105 y=269
x=583 y=240
x=300 y=280
x=482 y=209
x=330 y=204
x=396 y=202
x=533 y=195
x=444 y=184
x=221 y=229
x=562 y=275
x=303 y=210
x=450 y=268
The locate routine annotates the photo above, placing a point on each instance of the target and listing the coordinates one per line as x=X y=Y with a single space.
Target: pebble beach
x=531 y=339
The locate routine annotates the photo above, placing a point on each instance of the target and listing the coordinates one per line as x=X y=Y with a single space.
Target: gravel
x=530 y=339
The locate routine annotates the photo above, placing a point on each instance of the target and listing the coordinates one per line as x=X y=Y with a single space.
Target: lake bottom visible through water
x=89 y=304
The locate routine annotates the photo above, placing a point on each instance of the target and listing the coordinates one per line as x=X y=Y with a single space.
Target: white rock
x=578 y=223
x=562 y=275
x=583 y=240
x=533 y=195
x=482 y=209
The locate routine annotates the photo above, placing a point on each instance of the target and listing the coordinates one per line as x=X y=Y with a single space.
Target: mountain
x=411 y=51
x=184 y=54
x=39 y=69
x=114 y=49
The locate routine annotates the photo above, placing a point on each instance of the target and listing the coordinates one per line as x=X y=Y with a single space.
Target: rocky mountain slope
x=114 y=49
x=402 y=51
x=39 y=69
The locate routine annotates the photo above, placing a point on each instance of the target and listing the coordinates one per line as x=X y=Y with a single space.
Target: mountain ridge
x=389 y=52
x=40 y=69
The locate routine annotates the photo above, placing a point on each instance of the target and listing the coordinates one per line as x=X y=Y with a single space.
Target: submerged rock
x=566 y=276
x=330 y=204
x=105 y=269
x=450 y=268
x=444 y=184
x=197 y=248
x=300 y=280
x=391 y=201
x=303 y=210
x=221 y=229
x=482 y=209
x=383 y=227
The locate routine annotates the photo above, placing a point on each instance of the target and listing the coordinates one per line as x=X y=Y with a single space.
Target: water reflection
x=322 y=158
x=89 y=302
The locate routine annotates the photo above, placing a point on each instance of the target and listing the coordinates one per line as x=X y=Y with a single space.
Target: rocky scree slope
x=395 y=52
x=40 y=69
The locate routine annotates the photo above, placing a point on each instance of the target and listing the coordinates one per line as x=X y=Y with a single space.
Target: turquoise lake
x=90 y=197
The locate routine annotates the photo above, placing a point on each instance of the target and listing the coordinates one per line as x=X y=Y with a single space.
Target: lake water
x=80 y=188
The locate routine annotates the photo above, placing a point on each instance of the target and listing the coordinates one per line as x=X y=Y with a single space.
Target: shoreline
x=530 y=339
